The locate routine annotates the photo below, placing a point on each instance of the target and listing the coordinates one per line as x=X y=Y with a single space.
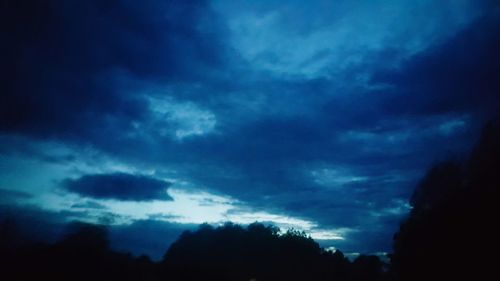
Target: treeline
x=228 y=252
x=451 y=233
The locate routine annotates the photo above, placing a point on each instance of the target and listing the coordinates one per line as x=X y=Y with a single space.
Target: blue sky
x=315 y=115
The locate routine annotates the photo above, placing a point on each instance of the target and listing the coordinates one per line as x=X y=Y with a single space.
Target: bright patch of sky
x=197 y=207
x=189 y=205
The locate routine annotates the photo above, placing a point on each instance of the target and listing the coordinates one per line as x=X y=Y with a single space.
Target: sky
x=153 y=117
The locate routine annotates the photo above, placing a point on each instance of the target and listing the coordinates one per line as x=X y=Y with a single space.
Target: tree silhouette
x=367 y=268
x=83 y=254
x=228 y=252
x=453 y=225
x=232 y=252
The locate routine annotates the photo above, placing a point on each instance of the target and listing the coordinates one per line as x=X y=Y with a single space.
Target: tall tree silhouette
x=453 y=226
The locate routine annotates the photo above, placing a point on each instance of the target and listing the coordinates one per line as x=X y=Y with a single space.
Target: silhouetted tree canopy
x=228 y=252
x=368 y=268
x=232 y=252
x=453 y=227
x=83 y=254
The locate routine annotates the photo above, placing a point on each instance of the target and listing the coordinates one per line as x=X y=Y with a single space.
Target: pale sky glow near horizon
x=320 y=116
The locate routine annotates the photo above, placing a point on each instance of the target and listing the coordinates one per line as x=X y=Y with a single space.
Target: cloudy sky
x=155 y=116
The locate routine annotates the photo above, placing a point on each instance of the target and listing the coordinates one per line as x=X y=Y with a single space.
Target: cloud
x=119 y=186
x=73 y=70
x=457 y=76
x=287 y=103
x=87 y=205
x=323 y=39
x=180 y=120
x=9 y=196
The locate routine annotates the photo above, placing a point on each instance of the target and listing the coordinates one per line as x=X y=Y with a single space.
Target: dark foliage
x=229 y=252
x=232 y=252
x=453 y=228
x=83 y=254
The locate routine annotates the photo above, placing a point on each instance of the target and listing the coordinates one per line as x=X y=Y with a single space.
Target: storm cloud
x=119 y=186
x=81 y=61
x=320 y=115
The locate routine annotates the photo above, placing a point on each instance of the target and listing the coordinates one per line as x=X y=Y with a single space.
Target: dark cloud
x=88 y=205
x=34 y=223
x=68 y=67
x=78 y=72
x=460 y=75
x=119 y=186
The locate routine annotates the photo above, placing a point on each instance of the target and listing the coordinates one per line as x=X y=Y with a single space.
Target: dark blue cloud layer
x=68 y=65
x=460 y=75
x=119 y=186
x=7 y=196
x=75 y=72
